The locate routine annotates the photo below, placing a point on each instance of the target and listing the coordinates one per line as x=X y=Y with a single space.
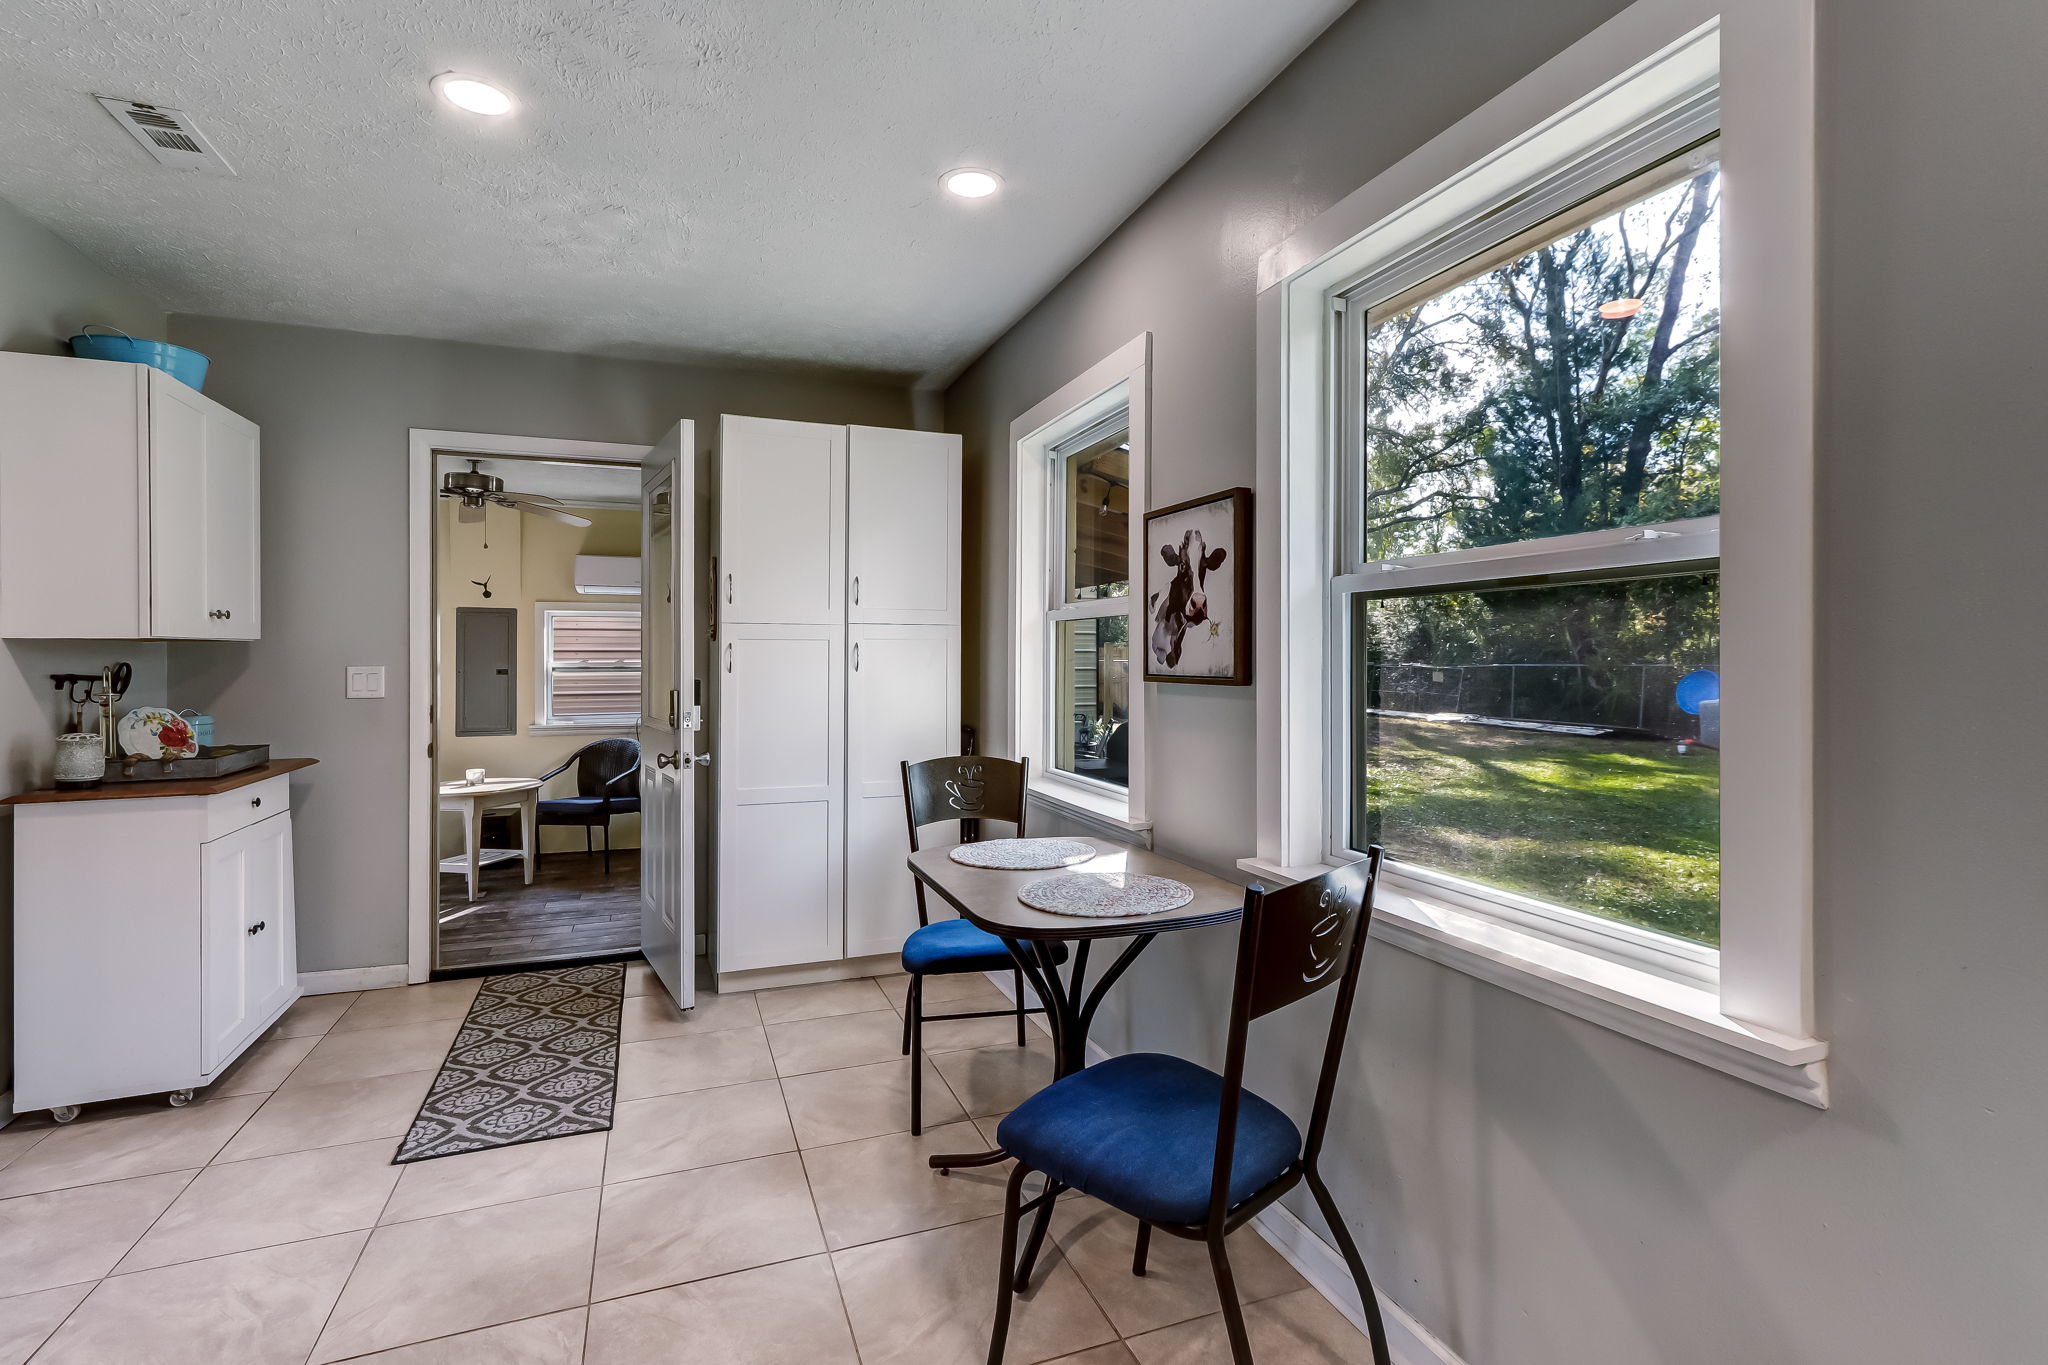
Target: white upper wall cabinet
x=128 y=506
x=903 y=527
x=782 y=510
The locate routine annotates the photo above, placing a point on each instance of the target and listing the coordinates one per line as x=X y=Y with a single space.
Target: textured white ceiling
x=741 y=178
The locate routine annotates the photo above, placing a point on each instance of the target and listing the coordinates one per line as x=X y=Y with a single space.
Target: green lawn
x=1622 y=828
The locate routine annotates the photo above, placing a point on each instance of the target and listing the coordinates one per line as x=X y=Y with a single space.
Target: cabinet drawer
x=227 y=812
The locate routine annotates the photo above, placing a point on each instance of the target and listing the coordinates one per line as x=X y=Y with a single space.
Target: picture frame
x=1198 y=615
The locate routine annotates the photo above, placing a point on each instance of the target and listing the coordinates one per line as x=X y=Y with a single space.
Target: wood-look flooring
x=572 y=910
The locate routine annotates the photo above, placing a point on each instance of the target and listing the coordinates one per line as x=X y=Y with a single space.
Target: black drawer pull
x=255 y=800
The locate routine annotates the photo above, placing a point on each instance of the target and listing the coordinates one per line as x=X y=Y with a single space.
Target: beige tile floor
x=760 y=1201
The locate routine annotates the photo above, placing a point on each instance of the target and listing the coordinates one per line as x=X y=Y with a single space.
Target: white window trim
x=543 y=676
x=1757 y=1021
x=1121 y=379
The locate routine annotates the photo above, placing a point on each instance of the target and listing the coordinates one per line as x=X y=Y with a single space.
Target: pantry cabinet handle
x=856 y=590
x=728 y=657
x=728 y=590
x=856 y=656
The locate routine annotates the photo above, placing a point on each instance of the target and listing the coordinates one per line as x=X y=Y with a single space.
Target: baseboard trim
x=808 y=973
x=1409 y=1342
x=352 y=979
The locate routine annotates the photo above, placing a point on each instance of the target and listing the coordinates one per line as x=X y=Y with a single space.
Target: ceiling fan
x=477 y=488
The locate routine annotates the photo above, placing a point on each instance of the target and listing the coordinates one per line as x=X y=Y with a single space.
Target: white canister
x=81 y=761
x=473 y=776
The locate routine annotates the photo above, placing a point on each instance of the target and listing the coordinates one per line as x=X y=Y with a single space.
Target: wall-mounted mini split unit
x=608 y=575
x=169 y=135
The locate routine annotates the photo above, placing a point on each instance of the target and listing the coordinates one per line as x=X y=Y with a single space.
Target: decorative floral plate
x=154 y=732
x=1022 y=855
x=1103 y=895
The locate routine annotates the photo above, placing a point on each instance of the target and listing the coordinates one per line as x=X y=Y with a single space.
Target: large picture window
x=1532 y=589
x=1499 y=435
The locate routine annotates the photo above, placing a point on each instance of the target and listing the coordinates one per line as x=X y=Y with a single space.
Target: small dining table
x=472 y=799
x=987 y=898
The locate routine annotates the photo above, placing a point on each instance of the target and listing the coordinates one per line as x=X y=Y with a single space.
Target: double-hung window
x=1497 y=451
x=1087 y=615
x=1530 y=430
x=589 y=666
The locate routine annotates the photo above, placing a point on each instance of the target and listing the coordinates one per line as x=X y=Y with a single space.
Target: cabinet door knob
x=255 y=800
x=259 y=926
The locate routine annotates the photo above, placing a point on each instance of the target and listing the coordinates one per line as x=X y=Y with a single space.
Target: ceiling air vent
x=169 y=135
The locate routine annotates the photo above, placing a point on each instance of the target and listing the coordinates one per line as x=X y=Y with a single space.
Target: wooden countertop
x=191 y=786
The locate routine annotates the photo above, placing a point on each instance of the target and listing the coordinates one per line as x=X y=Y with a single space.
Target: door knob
x=667 y=761
x=701 y=760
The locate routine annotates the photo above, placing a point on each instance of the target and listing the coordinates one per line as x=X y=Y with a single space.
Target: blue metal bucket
x=180 y=363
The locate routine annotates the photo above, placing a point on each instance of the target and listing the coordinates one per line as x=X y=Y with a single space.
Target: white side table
x=473 y=799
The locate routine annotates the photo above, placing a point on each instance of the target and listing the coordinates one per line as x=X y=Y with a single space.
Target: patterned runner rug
x=538 y=1057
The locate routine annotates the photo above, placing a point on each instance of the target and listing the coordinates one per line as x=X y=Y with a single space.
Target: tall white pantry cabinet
x=837 y=658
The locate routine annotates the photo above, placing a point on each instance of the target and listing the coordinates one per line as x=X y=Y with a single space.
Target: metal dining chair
x=970 y=789
x=1187 y=1151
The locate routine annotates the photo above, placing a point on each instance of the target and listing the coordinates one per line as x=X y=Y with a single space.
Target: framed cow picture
x=1198 y=590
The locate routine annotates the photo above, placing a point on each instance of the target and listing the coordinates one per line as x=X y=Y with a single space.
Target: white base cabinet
x=902 y=703
x=780 y=778
x=153 y=940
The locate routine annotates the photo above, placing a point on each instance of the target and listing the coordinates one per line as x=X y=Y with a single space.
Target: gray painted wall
x=47 y=292
x=335 y=408
x=1538 y=1190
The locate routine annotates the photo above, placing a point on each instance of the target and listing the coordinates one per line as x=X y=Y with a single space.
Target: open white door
x=670 y=717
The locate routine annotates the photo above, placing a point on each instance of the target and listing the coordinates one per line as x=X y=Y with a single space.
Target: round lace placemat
x=1105 y=894
x=1022 y=855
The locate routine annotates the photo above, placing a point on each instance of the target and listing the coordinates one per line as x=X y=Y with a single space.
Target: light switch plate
x=366 y=680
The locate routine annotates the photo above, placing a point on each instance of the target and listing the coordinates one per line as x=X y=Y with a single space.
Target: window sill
x=580 y=729
x=1675 y=1016
x=1107 y=815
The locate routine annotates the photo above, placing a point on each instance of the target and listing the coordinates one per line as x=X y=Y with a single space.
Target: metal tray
x=213 y=760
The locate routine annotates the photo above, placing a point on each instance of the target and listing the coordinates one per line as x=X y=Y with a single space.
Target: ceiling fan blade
x=536 y=497
x=557 y=513
x=469 y=513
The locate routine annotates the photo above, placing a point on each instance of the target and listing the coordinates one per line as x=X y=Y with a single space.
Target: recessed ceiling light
x=467 y=92
x=971 y=183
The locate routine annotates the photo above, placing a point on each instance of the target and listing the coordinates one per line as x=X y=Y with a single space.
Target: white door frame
x=422 y=673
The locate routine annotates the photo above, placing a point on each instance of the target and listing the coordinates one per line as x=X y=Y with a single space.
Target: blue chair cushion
x=953 y=945
x=1138 y=1132
x=583 y=809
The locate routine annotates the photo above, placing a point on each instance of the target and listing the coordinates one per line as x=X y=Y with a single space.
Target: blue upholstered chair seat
x=581 y=809
x=953 y=945
x=1138 y=1132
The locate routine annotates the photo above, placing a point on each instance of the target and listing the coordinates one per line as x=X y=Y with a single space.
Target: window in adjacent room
x=1531 y=586
x=590 y=666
